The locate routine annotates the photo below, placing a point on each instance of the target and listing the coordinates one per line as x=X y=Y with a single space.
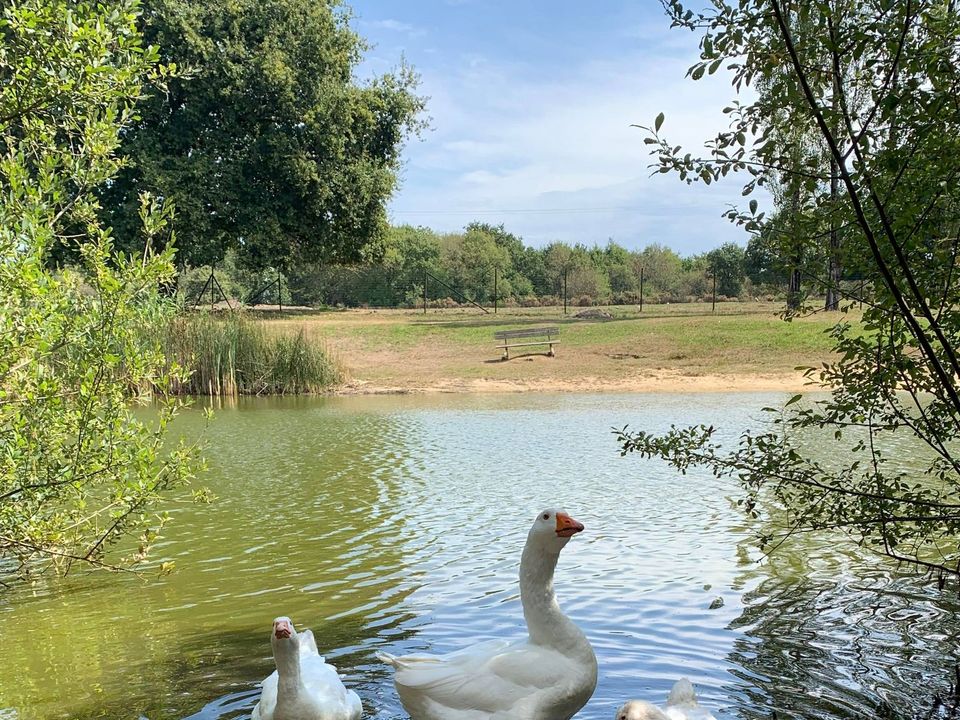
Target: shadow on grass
x=500 y=360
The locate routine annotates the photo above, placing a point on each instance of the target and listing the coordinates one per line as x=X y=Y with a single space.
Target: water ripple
x=397 y=523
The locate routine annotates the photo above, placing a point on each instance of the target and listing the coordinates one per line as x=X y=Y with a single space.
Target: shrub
x=81 y=469
x=232 y=355
x=628 y=297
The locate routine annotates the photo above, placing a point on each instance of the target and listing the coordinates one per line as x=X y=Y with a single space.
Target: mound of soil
x=594 y=314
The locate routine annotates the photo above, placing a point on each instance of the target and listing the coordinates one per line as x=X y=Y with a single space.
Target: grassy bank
x=663 y=347
x=230 y=354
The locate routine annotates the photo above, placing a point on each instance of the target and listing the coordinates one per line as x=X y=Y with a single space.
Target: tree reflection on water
x=830 y=631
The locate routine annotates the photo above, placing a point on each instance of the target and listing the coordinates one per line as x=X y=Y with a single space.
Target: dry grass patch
x=669 y=347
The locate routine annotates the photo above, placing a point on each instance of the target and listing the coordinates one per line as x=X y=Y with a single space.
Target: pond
x=396 y=523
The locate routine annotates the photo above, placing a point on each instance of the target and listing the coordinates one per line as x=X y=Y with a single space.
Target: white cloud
x=507 y=143
x=397 y=26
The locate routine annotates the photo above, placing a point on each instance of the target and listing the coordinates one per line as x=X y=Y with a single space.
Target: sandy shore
x=657 y=382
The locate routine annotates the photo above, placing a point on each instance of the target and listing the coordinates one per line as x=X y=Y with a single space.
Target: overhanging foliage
x=78 y=469
x=856 y=113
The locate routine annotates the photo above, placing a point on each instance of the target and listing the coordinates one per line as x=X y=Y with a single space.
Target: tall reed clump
x=231 y=355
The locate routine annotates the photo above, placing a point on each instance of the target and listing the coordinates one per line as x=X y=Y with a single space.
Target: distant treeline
x=486 y=262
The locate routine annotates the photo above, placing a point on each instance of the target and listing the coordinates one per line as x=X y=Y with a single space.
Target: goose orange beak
x=567 y=526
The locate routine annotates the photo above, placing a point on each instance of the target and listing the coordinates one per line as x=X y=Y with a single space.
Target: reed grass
x=230 y=354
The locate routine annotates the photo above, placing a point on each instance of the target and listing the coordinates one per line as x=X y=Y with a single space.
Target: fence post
x=494 y=291
x=564 y=291
x=424 y=292
x=713 y=307
x=279 y=292
x=641 y=288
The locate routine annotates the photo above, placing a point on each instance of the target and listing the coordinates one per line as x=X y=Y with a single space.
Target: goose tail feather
x=682 y=693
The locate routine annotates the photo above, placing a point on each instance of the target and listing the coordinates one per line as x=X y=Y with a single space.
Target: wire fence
x=380 y=286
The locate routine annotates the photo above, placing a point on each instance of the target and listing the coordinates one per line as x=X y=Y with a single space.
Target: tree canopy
x=855 y=114
x=461 y=265
x=726 y=264
x=264 y=141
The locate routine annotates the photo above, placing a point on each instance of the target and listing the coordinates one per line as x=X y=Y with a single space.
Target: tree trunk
x=832 y=302
x=793 y=286
x=793 y=290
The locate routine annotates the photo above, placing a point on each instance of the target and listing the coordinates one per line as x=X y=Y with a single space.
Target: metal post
x=199 y=299
x=211 y=288
x=424 y=292
x=641 y=289
x=713 y=308
x=279 y=291
x=494 y=291
x=564 y=291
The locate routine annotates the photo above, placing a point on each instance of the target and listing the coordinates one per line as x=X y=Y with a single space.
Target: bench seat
x=545 y=336
x=542 y=342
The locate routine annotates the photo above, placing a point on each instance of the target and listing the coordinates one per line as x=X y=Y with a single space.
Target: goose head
x=552 y=530
x=284 y=639
x=283 y=630
x=639 y=710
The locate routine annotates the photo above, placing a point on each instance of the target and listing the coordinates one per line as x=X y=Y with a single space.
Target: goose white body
x=304 y=686
x=548 y=675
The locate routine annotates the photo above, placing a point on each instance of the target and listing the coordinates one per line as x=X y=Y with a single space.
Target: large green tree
x=662 y=271
x=877 y=83
x=727 y=266
x=78 y=469
x=516 y=283
x=265 y=142
x=473 y=258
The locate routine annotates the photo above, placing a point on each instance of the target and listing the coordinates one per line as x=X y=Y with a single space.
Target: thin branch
x=944 y=298
x=894 y=66
x=39 y=550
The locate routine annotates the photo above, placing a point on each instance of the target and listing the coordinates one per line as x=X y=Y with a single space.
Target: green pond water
x=396 y=523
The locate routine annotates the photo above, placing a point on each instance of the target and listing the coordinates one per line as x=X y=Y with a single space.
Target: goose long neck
x=546 y=623
x=287 y=659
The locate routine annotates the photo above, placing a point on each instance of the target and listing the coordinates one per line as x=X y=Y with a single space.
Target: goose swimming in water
x=549 y=675
x=304 y=686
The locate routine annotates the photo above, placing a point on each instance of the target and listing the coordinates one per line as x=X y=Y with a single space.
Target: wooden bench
x=548 y=336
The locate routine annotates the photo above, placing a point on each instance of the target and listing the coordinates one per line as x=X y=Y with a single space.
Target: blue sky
x=531 y=105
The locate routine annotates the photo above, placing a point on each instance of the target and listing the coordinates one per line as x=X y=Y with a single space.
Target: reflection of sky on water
x=397 y=523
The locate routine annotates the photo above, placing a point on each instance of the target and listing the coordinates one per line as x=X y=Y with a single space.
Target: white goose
x=303 y=687
x=549 y=675
x=681 y=705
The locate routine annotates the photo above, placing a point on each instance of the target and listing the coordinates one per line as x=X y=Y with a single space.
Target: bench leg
x=506 y=354
x=551 y=353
